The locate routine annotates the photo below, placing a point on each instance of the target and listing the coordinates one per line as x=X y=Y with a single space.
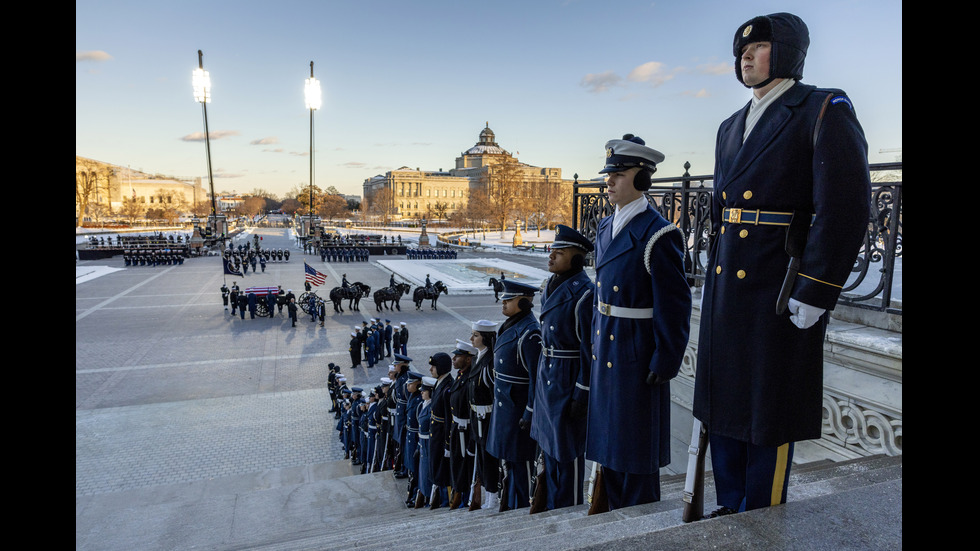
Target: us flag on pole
x=313 y=276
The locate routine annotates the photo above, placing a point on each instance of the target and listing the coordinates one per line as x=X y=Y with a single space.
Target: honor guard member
x=355 y=422
x=281 y=299
x=387 y=338
x=404 y=339
x=369 y=433
x=396 y=337
x=399 y=427
x=791 y=188
x=485 y=466
x=233 y=296
x=425 y=423
x=332 y=387
x=642 y=300
x=410 y=451
x=224 y=293
x=461 y=451
x=270 y=303
x=515 y=357
x=440 y=365
x=292 y=308
x=561 y=391
x=355 y=350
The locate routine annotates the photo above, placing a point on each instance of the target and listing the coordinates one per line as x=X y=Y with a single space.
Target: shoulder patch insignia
x=842 y=99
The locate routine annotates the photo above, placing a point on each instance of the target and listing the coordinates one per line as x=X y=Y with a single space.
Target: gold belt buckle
x=734 y=216
x=603 y=308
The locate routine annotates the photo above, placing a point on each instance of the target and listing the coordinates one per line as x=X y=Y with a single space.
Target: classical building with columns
x=414 y=194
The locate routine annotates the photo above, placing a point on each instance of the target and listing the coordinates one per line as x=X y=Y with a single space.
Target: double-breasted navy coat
x=759 y=377
x=515 y=356
x=564 y=368
x=641 y=268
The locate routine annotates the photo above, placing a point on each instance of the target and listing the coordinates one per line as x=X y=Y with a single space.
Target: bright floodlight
x=202 y=86
x=312 y=93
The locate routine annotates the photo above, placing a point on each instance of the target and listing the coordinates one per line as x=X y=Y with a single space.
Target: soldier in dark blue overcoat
x=411 y=446
x=515 y=357
x=640 y=329
x=440 y=365
x=399 y=420
x=793 y=152
x=561 y=391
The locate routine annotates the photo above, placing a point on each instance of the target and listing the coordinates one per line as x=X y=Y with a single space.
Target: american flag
x=313 y=276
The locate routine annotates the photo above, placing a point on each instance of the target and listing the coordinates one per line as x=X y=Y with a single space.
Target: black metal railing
x=686 y=201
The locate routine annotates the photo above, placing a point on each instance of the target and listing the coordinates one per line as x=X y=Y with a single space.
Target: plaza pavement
x=173 y=395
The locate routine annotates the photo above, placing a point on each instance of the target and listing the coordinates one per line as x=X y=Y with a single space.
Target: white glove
x=803 y=315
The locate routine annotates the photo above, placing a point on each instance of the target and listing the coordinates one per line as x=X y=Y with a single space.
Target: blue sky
x=414 y=83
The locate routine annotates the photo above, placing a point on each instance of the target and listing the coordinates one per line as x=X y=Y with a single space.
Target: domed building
x=417 y=194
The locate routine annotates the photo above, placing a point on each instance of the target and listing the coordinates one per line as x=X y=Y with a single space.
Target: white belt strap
x=624 y=312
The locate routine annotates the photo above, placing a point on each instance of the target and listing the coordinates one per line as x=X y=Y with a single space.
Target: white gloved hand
x=803 y=315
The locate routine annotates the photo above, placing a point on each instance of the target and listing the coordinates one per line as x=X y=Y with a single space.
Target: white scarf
x=625 y=214
x=759 y=105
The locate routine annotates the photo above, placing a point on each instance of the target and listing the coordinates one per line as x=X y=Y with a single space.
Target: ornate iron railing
x=686 y=201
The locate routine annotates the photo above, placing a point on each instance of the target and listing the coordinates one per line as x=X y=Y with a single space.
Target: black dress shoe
x=720 y=512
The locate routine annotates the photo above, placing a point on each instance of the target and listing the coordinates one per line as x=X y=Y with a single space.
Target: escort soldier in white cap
x=561 y=391
x=791 y=187
x=461 y=448
x=486 y=468
x=642 y=301
x=515 y=357
x=440 y=366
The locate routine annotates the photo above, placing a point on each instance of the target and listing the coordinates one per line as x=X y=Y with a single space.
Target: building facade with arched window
x=407 y=194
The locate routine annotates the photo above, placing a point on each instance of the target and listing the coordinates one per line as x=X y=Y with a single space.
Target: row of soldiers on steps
x=464 y=436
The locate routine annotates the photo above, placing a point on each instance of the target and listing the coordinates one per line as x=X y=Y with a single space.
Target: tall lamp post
x=201 y=81
x=313 y=102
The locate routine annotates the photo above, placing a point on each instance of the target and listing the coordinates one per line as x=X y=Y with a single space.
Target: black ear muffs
x=644 y=179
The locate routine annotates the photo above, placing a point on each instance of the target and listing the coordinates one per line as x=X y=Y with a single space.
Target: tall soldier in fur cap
x=643 y=301
x=791 y=189
x=515 y=358
x=440 y=365
x=561 y=392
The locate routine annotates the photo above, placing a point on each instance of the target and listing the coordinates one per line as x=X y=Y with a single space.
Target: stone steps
x=368 y=512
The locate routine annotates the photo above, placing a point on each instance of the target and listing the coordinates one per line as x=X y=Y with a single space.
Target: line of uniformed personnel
x=508 y=419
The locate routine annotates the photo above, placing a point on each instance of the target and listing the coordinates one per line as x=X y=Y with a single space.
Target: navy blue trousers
x=748 y=476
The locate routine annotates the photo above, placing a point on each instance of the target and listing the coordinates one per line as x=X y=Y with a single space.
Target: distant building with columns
x=413 y=194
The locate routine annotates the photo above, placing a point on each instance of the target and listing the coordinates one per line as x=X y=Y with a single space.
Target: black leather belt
x=757 y=217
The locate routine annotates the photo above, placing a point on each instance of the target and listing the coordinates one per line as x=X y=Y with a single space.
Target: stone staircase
x=855 y=504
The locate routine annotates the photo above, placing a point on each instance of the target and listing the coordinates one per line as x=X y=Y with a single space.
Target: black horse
x=393 y=295
x=353 y=294
x=498 y=287
x=421 y=293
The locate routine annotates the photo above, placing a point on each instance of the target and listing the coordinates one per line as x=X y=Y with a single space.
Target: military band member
x=515 y=358
x=486 y=468
x=461 y=451
x=440 y=365
x=404 y=338
x=561 y=395
x=798 y=154
x=643 y=301
x=224 y=294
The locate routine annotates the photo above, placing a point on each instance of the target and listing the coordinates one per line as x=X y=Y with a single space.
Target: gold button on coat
x=740 y=274
x=747 y=194
x=743 y=234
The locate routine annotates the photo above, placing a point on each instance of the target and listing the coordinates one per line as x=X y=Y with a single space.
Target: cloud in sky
x=600 y=82
x=92 y=55
x=264 y=141
x=653 y=72
x=216 y=135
